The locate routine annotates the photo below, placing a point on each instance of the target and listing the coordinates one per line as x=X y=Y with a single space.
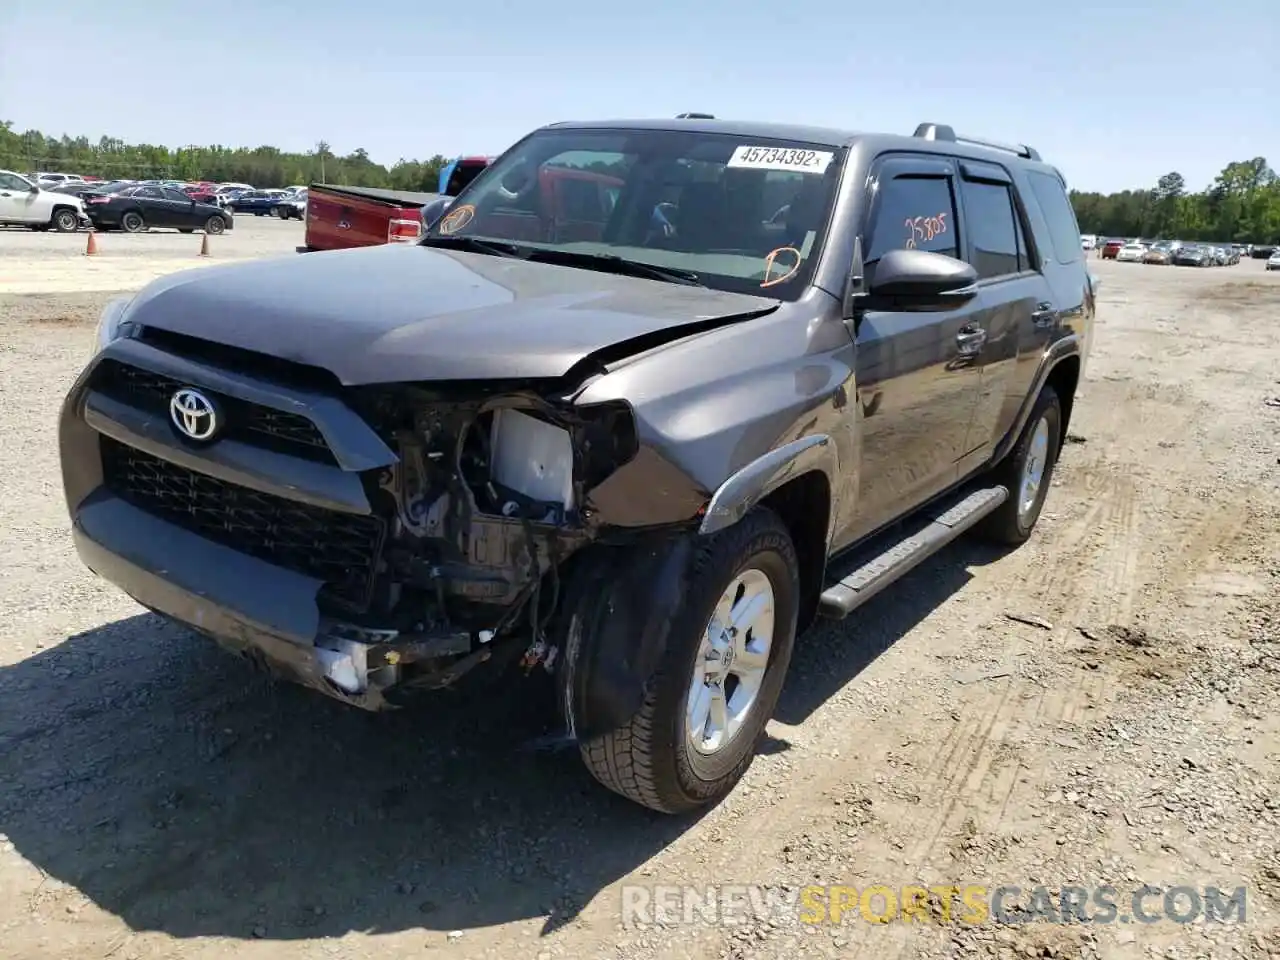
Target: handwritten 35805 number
x=924 y=229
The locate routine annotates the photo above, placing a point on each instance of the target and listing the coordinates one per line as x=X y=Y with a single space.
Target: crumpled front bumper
x=249 y=607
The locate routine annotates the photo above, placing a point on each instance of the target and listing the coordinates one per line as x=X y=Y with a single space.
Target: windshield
x=740 y=214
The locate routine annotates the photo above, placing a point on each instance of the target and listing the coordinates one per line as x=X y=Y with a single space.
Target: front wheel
x=215 y=224
x=719 y=679
x=1027 y=472
x=66 y=221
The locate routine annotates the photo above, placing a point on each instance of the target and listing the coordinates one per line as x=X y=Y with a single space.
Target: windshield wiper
x=611 y=263
x=496 y=248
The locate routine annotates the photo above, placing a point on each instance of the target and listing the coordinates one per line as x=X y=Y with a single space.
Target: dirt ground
x=1097 y=707
x=51 y=262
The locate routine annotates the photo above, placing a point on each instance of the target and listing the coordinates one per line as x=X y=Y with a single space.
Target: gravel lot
x=56 y=262
x=157 y=800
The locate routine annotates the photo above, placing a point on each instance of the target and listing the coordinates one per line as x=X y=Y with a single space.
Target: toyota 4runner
x=743 y=375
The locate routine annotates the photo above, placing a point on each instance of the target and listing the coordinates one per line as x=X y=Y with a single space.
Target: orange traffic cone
x=204 y=245
x=91 y=247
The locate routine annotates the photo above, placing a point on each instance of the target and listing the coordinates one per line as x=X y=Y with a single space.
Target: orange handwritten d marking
x=772 y=257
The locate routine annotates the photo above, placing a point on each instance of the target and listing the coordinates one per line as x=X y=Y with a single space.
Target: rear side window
x=991 y=224
x=1064 y=232
x=914 y=213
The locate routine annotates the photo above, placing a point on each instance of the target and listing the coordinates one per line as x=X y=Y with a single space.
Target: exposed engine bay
x=488 y=501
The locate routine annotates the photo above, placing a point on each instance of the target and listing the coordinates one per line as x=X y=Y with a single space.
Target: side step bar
x=946 y=524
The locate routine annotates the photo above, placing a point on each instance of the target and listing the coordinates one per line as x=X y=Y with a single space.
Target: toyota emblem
x=193 y=414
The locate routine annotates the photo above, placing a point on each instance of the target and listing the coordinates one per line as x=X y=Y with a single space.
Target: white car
x=1273 y=261
x=1132 y=252
x=54 y=179
x=25 y=203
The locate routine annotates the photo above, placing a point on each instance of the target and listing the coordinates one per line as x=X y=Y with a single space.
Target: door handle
x=1044 y=315
x=970 y=340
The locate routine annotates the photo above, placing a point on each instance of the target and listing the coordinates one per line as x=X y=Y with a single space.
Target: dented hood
x=404 y=313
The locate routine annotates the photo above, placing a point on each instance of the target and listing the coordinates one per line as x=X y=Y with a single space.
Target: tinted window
x=177 y=195
x=991 y=225
x=151 y=193
x=1064 y=232
x=913 y=213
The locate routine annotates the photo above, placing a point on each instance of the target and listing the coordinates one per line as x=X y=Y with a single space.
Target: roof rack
x=695 y=116
x=940 y=131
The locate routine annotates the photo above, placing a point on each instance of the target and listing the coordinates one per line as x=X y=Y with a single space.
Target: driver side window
x=9 y=181
x=913 y=213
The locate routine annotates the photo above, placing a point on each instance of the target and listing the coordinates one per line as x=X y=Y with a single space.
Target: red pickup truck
x=340 y=217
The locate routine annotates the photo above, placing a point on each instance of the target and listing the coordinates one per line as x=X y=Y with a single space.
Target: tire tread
x=625 y=760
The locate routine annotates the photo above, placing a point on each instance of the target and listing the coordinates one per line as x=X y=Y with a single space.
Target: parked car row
x=1176 y=252
x=137 y=205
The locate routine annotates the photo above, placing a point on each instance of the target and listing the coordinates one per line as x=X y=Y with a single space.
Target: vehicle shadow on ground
x=831 y=653
x=183 y=793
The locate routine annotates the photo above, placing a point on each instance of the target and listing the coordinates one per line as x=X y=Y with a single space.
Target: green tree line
x=1242 y=205
x=261 y=166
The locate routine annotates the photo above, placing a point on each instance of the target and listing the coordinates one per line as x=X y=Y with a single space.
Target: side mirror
x=33 y=189
x=917 y=281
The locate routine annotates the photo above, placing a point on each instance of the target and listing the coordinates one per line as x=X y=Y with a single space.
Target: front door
x=15 y=198
x=917 y=373
x=179 y=209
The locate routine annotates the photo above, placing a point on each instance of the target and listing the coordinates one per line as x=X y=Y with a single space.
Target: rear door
x=917 y=379
x=150 y=202
x=1014 y=308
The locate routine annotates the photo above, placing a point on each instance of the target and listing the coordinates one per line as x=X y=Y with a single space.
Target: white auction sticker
x=781 y=158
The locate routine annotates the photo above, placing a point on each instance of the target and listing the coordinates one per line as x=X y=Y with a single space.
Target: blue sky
x=1115 y=94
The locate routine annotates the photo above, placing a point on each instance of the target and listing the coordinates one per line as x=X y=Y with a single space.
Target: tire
x=1013 y=521
x=652 y=760
x=215 y=224
x=281 y=212
x=65 y=221
x=132 y=222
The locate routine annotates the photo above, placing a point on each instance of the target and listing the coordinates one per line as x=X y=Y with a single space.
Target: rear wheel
x=132 y=222
x=719 y=679
x=1027 y=472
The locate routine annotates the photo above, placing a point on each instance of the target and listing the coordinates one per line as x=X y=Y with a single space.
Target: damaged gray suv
x=647 y=399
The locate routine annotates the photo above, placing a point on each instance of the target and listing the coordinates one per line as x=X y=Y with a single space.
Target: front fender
x=751 y=484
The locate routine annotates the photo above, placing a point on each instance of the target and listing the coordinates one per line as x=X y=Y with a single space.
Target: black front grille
x=339 y=548
x=250 y=423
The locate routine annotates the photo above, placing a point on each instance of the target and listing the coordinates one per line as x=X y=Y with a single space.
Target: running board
x=941 y=526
